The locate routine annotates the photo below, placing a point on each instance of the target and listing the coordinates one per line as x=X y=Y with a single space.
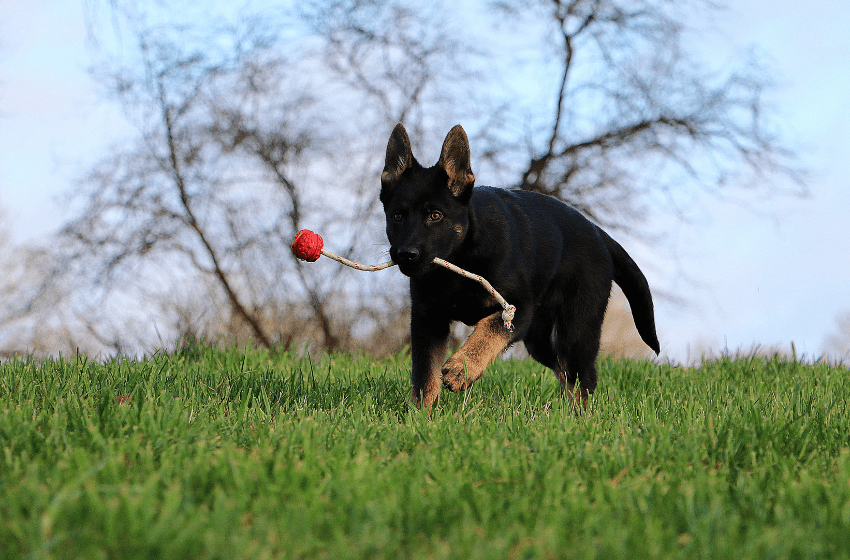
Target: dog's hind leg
x=577 y=336
x=539 y=341
x=568 y=378
x=580 y=358
x=486 y=343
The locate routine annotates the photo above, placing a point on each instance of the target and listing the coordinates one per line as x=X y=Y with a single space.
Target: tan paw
x=455 y=375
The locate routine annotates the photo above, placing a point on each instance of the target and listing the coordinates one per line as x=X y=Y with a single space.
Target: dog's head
x=427 y=209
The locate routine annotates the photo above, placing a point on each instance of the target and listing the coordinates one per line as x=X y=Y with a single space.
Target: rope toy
x=308 y=246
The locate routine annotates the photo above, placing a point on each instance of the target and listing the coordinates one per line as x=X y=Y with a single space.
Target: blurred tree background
x=252 y=122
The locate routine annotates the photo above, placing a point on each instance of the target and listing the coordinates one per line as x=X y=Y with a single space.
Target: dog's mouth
x=411 y=263
x=414 y=268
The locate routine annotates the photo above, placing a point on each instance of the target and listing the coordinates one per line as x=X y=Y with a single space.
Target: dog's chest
x=463 y=299
x=470 y=310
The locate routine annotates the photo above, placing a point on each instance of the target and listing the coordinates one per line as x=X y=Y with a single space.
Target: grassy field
x=210 y=453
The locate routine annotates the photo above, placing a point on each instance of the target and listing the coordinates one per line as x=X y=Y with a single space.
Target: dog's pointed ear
x=454 y=159
x=399 y=155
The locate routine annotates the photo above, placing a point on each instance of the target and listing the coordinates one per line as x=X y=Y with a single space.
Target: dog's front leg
x=486 y=343
x=428 y=341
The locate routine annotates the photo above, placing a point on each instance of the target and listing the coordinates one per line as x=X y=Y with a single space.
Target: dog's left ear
x=454 y=159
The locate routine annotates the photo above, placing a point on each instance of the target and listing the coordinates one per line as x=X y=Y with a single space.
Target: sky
x=772 y=274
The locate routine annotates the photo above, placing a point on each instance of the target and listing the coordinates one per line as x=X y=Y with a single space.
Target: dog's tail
x=628 y=276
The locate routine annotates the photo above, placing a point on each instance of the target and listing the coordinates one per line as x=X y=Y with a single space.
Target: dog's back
x=533 y=232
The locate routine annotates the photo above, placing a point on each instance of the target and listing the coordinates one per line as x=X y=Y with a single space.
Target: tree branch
x=185 y=199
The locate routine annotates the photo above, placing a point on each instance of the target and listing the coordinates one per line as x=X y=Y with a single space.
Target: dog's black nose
x=408 y=254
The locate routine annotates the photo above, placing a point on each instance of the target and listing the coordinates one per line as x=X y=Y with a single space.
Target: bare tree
x=633 y=119
x=33 y=318
x=208 y=185
x=230 y=161
x=251 y=131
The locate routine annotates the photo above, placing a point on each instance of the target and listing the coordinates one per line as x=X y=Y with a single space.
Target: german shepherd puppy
x=543 y=256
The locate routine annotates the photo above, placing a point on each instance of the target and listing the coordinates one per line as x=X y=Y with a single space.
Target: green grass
x=211 y=453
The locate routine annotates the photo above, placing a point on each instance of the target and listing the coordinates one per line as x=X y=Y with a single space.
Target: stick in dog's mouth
x=309 y=246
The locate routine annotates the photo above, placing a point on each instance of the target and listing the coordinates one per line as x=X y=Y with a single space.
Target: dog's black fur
x=543 y=256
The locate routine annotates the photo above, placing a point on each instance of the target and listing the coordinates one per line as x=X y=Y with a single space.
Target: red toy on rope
x=308 y=246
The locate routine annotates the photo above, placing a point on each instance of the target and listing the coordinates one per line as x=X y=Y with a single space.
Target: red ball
x=307 y=245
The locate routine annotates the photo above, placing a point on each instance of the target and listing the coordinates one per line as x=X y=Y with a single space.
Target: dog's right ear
x=399 y=156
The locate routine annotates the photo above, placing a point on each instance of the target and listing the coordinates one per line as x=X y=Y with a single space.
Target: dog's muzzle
x=410 y=260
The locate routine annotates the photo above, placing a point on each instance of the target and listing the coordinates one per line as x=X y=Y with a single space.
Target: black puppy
x=544 y=257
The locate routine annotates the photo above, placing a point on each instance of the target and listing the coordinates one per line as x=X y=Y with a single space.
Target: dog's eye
x=435 y=216
x=397 y=217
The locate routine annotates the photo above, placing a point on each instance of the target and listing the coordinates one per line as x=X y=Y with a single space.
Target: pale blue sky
x=762 y=281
